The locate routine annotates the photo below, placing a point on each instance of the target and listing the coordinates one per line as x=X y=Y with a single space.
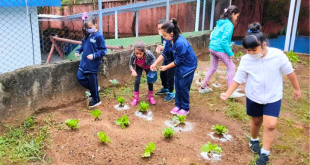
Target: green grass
x=19 y=145
x=107 y=92
x=125 y=91
x=27 y=143
x=202 y=75
x=236 y=110
x=293 y=144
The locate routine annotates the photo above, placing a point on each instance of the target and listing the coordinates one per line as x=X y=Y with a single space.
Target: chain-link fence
x=29 y=30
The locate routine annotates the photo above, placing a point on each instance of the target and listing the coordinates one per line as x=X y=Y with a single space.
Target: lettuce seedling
x=143 y=107
x=239 y=54
x=123 y=121
x=293 y=57
x=103 y=137
x=114 y=82
x=209 y=148
x=121 y=101
x=168 y=132
x=72 y=123
x=220 y=129
x=149 y=149
x=96 y=113
x=180 y=119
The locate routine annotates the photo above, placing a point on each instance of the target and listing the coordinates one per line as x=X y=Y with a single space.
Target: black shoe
x=262 y=159
x=162 y=91
x=254 y=146
x=94 y=104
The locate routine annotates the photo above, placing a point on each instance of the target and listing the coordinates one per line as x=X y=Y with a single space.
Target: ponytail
x=172 y=27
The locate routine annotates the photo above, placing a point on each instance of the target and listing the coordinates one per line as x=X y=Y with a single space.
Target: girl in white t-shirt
x=262 y=68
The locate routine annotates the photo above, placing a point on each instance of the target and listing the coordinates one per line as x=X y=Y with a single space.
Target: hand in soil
x=224 y=96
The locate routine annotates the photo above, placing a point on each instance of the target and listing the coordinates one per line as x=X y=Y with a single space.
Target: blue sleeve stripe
x=164 y=55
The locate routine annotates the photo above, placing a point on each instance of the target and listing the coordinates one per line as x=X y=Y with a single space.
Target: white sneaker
x=205 y=90
x=236 y=94
x=216 y=85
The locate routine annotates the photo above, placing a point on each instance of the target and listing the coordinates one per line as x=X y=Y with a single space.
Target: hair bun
x=174 y=21
x=254 y=27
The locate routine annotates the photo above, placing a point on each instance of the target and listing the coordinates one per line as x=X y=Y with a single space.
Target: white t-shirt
x=263 y=77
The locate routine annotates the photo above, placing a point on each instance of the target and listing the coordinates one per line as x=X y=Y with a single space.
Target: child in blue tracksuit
x=93 y=48
x=185 y=63
x=167 y=77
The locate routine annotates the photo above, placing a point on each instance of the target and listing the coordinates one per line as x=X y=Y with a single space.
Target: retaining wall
x=39 y=87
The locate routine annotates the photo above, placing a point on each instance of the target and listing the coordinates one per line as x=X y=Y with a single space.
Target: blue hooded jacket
x=183 y=55
x=221 y=37
x=95 y=45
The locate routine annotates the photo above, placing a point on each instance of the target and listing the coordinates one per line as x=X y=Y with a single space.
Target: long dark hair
x=229 y=12
x=85 y=27
x=254 y=37
x=172 y=26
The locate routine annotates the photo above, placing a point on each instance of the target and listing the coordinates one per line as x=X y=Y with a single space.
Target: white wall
x=17 y=47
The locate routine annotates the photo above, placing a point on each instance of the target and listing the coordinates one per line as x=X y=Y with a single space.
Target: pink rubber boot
x=151 y=98
x=135 y=98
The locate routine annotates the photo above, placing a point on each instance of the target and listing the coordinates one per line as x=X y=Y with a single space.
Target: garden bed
x=82 y=146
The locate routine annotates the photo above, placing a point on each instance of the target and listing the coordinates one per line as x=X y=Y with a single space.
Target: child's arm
x=180 y=52
x=131 y=66
x=287 y=69
x=164 y=68
x=161 y=57
x=233 y=86
x=226 y=39
x=292 y=77
x=102 y=49
x=158 y=60
x=239 y=78
x=159 y=48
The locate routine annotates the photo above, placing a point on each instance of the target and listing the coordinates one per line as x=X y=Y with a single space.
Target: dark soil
x=218 y=135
